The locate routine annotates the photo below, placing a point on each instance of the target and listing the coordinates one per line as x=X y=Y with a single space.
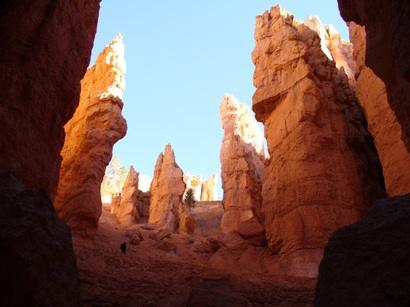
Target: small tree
x=189 y=198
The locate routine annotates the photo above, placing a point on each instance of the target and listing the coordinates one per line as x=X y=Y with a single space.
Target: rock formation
x=209 y=189
x=242 y=162
x=383 y=123
x=113 y=181
x=96 y=126
x=387 y=49
x=127 y=211
x=143 y=203
x=375 y=253
x=333 y=46
x=323 y=170
x=193 y=182
x=37 y=260
x=167 y=188
x=45 y=49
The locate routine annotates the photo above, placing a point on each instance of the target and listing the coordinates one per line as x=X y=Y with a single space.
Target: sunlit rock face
x=113 y=181
x=209 y=190
x=387 y=49
x=127 y=211
x=242 y=162
x=323 y=170
x=334 y=47
x=96 y=126
x=193 y=182
x=45 y=50
x=383 y=122
x=167 y=189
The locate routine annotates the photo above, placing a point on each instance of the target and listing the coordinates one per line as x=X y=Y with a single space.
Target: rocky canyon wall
x=383 y=124
x=96 y=126
x=46 y=47
x=387 y=27
x=323 y=170
x=167 y=189
x=242 y=163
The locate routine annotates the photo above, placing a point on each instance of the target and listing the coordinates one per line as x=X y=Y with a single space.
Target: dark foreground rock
x=367 y=264
x=37 y=261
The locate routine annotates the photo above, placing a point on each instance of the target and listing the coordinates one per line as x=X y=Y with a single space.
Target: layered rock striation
x=387 y=49
x=167 y=189
x=96 y=126
x=242 y=162
x=383 y=123
x=44 y=53
x=323 y=170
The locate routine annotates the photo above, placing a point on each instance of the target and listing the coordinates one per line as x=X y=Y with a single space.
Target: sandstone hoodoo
x=383 y=123
x=96 y=126
x=242 y=162
x=335 y=48
x=42 y=63
x=113 y=181
x=127 y=211
x=323 y=170
x=209 y=190
x=387 y=49
x=167 y=189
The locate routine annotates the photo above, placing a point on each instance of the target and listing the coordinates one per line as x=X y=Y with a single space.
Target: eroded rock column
x=127 y=211
x=323 y=170
x=96 y=126
x=242 y=162
x=167 y=189
x=383 y=123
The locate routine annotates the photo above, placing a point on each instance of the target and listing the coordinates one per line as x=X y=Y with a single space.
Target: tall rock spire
x=96 y=126
x=242 y=160
x=167 y=188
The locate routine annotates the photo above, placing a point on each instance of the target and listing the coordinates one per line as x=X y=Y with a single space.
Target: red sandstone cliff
x=45 y=49
x=90 y=136
x=383 y=124
x=323 y=171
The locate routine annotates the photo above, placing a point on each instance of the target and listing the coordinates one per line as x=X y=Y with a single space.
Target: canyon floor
x=160 y=268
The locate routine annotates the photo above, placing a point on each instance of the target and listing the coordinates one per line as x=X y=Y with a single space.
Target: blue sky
x=182 y=57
